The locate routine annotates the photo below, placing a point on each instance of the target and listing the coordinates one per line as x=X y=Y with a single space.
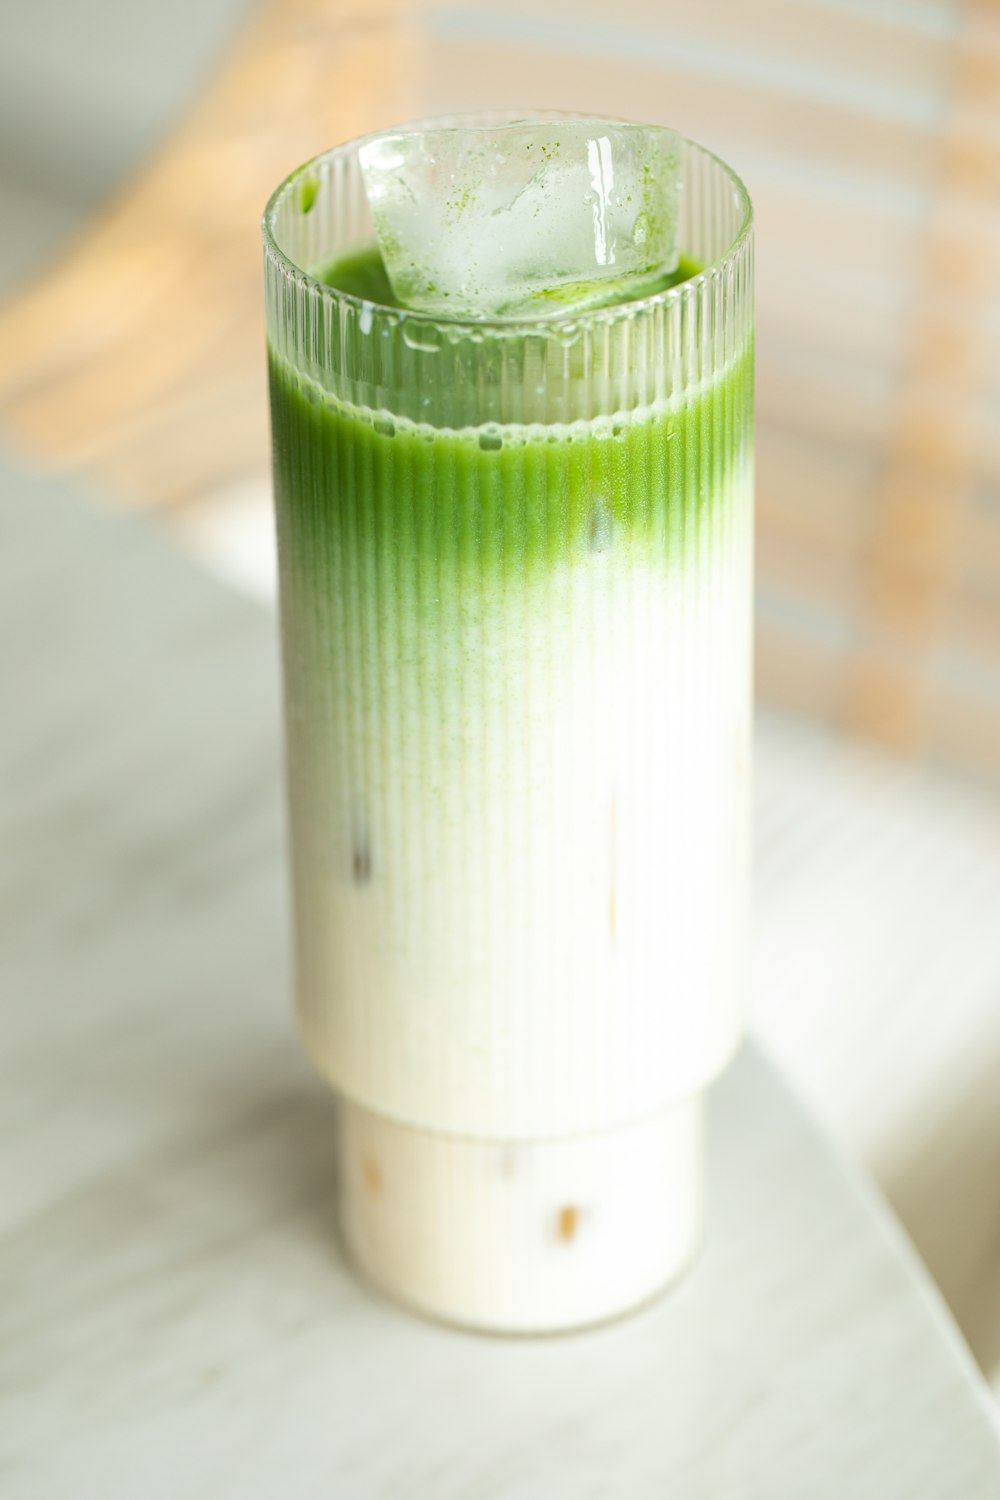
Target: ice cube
x=523 y=219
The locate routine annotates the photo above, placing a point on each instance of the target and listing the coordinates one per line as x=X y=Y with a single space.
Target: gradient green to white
x=515 y=567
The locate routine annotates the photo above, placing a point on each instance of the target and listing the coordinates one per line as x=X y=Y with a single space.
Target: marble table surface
x=175 y=1317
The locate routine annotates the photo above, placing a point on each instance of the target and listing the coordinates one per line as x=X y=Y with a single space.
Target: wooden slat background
x=139 y=356
x=870 y=137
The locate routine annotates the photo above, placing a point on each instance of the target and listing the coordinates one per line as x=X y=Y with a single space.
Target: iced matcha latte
x=513 y=481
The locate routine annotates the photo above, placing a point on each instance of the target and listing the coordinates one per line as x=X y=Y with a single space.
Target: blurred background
x=138 y=144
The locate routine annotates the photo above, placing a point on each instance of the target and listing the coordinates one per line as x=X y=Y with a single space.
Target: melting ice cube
x=523 y=219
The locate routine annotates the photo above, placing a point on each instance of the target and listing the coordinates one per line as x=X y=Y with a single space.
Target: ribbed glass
x=515 y=572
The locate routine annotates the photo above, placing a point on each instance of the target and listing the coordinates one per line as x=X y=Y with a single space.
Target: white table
x=175 y=1320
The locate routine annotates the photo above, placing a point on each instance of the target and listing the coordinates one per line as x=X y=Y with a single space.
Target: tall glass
x=515 y=573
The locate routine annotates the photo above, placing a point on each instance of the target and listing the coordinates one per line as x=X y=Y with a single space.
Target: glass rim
x=550 y=323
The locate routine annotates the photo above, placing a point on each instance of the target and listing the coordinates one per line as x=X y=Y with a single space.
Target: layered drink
x=515 y=574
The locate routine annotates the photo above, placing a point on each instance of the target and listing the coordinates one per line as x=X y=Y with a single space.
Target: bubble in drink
x=528 y=219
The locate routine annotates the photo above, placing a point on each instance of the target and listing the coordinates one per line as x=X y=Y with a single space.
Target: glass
x=515 y=564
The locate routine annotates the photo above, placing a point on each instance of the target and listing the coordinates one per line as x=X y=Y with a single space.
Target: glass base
x=534 y=1237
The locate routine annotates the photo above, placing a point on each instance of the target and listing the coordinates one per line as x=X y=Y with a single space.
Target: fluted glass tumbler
x=515 y=569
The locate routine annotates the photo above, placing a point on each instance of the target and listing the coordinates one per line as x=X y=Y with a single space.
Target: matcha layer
x=510 y=499
x=517 y=669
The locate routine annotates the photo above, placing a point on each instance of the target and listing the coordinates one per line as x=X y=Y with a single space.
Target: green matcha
x=359 y=484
